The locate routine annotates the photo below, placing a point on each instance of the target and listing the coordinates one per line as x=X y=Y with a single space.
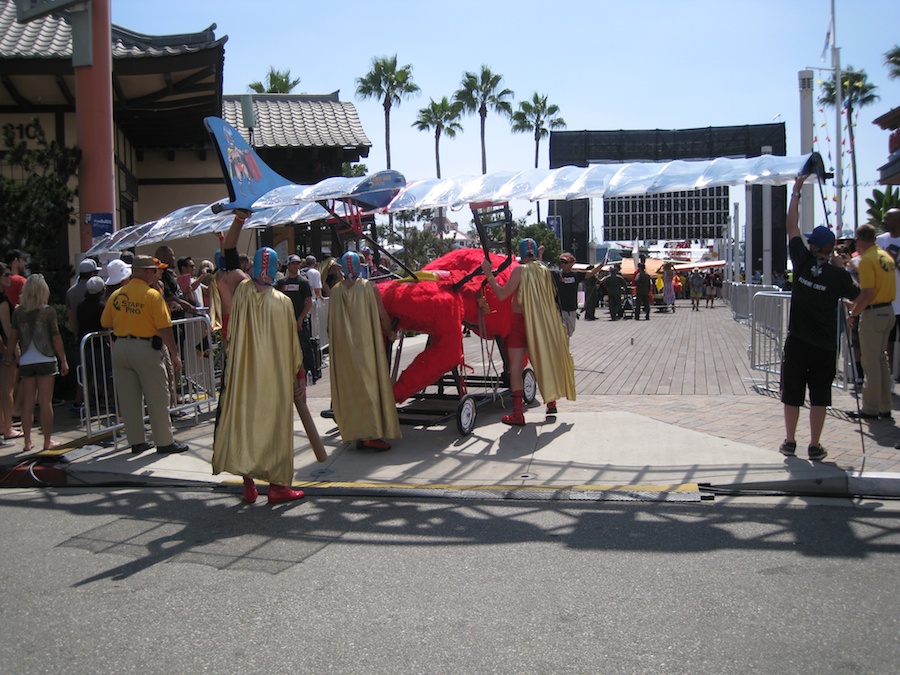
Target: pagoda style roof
x=163 y=85
x=299 y=121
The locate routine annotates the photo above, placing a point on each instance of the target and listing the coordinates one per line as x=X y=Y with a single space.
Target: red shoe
x=281 y=493
x=373 y=444
x=250 y=492
x=551 y=408
x=514 y=419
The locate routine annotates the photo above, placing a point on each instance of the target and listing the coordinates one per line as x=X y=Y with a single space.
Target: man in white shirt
x=313 y=277
x=889 y=240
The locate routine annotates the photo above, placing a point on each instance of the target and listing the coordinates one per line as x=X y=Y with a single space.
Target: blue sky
x=641 y=64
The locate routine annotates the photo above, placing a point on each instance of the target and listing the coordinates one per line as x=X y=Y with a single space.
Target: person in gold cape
x=362 y=396
x=537 y=330
x=254 y=435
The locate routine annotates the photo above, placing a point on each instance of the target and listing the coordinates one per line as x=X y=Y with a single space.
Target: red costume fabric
x=436 y=308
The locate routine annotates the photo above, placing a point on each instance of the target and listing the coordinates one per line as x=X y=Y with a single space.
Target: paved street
x=162 y=581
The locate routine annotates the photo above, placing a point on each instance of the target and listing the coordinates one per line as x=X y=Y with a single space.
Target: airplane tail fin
x=248 y=177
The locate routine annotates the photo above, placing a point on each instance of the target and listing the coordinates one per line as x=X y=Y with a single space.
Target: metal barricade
x=194 y=391
x=742 y=298
x=768 y=331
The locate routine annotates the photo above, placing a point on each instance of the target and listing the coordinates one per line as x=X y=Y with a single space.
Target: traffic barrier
x=193 y=392
x=768 y=331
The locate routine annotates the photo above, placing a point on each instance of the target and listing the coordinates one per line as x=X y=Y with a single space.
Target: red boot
x=281 y=493
x=518 y=415
x=551 y=407
x=376 y=444
x=250 y=492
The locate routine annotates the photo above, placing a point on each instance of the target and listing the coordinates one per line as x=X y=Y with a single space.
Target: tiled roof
x=50 y=37
x=299 y=120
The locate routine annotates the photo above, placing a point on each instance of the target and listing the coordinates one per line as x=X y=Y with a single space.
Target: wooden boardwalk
x=691 y=370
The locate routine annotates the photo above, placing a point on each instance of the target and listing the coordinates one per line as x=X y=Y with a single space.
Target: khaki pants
x=874 y=329
x=140 y=377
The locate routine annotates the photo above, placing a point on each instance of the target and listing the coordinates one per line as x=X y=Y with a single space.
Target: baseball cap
x=143 y=262
x=568 y=257
x=95 y=285
x=821 y=237
x=294 y=259
x=87 y=266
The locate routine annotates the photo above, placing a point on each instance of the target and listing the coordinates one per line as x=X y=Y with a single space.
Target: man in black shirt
x=810 y=350
x=567 y=281
x=642 y=284
x=614 y=285
x=297 y=288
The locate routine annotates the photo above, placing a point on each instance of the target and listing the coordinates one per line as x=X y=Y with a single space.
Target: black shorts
x=805 y=365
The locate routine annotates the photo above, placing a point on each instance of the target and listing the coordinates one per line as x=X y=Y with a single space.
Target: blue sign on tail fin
x=247 y=176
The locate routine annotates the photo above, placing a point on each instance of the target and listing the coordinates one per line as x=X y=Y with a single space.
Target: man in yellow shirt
x=878 y=285
x=140 y=321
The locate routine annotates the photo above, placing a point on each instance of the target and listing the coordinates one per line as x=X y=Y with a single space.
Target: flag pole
x=838 y=106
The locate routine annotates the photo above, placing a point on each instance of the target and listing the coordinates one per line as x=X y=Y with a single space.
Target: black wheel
x=466 y=413
x=530 y=385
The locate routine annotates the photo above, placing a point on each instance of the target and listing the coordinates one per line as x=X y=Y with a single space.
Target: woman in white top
x=36 y=330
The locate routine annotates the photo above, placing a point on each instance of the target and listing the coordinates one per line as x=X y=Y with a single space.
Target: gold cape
x=255 y=430
x=361 y=394
x=548 y=342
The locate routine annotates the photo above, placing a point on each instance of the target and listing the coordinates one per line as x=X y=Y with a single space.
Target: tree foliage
x=537 y=117
x=481 y=92
x=421 y=247
x=37 y=203
x=892 y=61
x=857 y=93
x=442 y=117
x=390 y=84
x=277 y=82
x=880 y=203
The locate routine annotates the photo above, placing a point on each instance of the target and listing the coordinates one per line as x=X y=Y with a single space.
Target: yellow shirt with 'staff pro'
x=136 y=310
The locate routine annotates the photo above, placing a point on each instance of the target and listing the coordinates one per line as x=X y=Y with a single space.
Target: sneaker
x=176 y=447
x=788 y=448
x=852 y=414
x=817 y=453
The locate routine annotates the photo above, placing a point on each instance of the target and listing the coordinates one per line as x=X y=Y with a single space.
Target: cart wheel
x=530 y=385
x=466 y=414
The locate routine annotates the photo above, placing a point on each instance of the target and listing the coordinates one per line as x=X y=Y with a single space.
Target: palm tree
x=892 y=61
x=390 y=84
x=858 y=93
x=443 y=117
x=480 y=92
x=277 y=82
x=539 y=117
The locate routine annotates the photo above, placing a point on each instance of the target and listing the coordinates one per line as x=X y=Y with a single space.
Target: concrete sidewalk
x=666 y=409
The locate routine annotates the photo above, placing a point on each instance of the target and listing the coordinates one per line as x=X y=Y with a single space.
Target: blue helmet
x=350 y=265
x=265 y=261
x=527 y=246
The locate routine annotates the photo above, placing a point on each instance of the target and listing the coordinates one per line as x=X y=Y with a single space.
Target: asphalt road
x=117 y=581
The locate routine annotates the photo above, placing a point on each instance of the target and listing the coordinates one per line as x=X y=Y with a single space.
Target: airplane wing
x=274 y=200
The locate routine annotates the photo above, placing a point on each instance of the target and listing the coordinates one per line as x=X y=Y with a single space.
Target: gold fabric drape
x=255 y=432
x=361 y=394
x=548 y=342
